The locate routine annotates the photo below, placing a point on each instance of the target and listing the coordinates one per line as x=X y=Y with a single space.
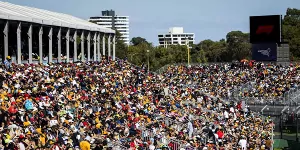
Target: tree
x=291 y=31
x=138 y=40
x=121 y=47
x=238 y=46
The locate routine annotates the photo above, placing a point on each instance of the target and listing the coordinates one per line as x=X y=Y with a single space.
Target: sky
x=208 y=19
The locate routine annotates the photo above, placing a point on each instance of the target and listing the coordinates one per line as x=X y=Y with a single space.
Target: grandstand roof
x=29 y=14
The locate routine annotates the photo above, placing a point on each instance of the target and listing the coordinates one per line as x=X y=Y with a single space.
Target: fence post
x=297 y=127
x=281 y=126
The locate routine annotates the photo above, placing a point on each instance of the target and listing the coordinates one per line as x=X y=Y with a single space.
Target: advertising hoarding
x=264 y=52
x=265 y=29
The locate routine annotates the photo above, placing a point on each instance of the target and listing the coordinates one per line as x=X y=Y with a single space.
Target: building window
x=168 y=35
x=122 y=30
x=95 y=18
x=175 y=42
x=121 y=17
x=175 y=35
x=160 y=35
x=175 y=38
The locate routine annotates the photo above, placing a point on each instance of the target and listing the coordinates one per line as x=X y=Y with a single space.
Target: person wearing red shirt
x=132 y=144
x=220 y=134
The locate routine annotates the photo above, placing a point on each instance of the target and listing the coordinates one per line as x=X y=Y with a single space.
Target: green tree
x=206 y=46
x=291 y=31
x=238 y=46
x=137 y=54
x=199 y=57
x=121 y=47
x=138 y=40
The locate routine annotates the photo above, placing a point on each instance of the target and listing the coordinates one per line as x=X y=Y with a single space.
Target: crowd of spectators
x=115 y=105
x=258 y=81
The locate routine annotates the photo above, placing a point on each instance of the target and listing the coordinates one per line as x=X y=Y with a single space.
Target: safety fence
x=291 y=97
x=165 y=67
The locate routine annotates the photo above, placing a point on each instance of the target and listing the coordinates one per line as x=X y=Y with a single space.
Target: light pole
x=148 y=61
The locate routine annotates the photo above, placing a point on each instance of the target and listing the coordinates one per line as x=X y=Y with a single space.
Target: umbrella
x=244 y=60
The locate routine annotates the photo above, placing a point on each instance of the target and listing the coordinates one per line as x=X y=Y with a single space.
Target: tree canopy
x=291 y=31
x=235 y=46
x=138 y=40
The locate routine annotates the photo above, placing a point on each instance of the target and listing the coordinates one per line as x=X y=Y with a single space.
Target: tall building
x=110 y=20
x=176 y=36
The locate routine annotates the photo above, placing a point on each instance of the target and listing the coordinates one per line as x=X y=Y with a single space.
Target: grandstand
x=112 y=104
x=47 y=34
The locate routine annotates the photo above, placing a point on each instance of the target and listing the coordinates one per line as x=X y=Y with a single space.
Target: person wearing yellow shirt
x=85 y=145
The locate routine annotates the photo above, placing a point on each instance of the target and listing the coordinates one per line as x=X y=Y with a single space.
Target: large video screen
x=264 y=52
x=265 y=29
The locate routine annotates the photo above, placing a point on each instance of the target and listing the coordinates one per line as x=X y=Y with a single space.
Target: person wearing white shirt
x=151 y=147
x=190 y=129
x=243 y=143
x=21 y=146
x=232 y=109
x=53 y=123
x=226 y=115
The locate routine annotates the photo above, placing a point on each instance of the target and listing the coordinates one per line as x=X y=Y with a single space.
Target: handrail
x=286 y=107
x=262 y=110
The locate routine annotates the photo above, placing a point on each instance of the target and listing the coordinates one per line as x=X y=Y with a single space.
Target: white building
x=176 y=36
x=110 y=20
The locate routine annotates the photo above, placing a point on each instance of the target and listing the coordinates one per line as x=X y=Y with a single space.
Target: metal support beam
x=68 y=45
x=109 y=45
x=59 y=45
x=98 y=48
x=75 y=47
x=95 y=47
x=29 y=33
x=41 y=45
x=82 y=46
x=5 y=31
x=50 y=45
x=114 y=47
x=103 y=44
x=19 y=52
x=89 y=47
